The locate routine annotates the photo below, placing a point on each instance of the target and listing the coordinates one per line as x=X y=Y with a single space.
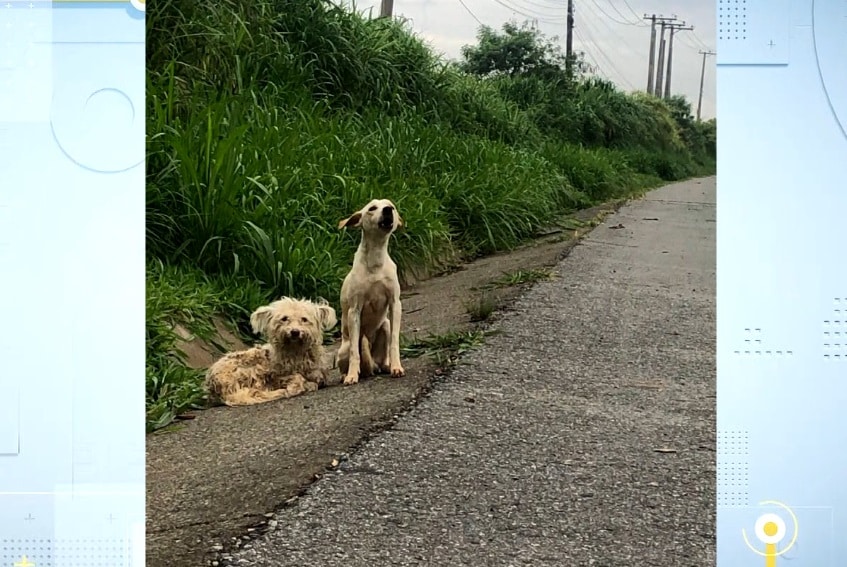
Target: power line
x=536 y=11
x=604 y=56
x=614 y=33
x=637 y=22
x=597 y=68
x=544 y=5
x=689 y=44
x=634 y=13
x=700 y=41
x=465 y=6
x=527 y=14
x=610 y=17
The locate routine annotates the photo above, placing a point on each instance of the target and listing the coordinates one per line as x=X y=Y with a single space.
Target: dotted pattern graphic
x=835 y=332
x=65 y=553
x=754 y=32
x=732 y=19
x=754 y=346
x=733 y=470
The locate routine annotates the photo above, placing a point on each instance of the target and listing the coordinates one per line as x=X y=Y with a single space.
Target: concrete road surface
x=582 y=434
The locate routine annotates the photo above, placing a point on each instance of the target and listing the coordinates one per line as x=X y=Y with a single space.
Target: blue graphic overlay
x=782 y=283
x=72 y=309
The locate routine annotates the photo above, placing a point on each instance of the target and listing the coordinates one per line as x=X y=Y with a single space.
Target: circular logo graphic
x=137 y=4
x=98 y=128
x=829 y=26
x=770 y=528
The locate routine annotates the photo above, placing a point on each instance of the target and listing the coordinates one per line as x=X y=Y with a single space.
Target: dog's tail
x=252 y=396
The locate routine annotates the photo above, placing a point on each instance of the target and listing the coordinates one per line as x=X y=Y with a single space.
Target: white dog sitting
x=370 y=298
x=291 y=363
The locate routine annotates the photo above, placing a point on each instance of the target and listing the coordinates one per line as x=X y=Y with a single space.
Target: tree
x=517 y=50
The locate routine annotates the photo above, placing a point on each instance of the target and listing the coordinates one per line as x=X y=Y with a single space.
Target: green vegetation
x=270 y=120
x=445 y=349
x=481 y=308
x=519 y=277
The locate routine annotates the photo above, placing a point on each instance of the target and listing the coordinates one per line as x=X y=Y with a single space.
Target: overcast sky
x=611 y=33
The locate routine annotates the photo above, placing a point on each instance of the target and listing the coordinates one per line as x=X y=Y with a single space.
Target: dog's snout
x=295 y=333
x=387 y=209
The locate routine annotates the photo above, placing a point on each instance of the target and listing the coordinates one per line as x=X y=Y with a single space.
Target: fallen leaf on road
x=470 y=399
x=649 y=385
x=616 y=226
x=334 y=463
x=650 y=218
x=664 y=450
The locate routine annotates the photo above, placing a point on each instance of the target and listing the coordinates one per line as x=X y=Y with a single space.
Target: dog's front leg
x=395 y=312
x=354 y=322
x=316 y=377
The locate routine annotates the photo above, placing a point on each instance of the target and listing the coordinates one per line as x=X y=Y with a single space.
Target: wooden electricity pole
x=673 y=29
x=569 y=42
x=386 y=9
x=702 y=75
x=651 y=61
x=654 y=80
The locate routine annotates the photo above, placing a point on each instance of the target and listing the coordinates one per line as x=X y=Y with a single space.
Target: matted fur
x=291 y=363
x=370 y=297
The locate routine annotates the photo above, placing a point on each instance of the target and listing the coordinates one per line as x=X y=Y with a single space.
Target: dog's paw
x=397 y=371
x=351 y=379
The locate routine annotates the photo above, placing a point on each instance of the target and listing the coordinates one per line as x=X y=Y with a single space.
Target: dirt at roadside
x=215 y=479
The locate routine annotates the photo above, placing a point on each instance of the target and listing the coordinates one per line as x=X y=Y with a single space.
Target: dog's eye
x=285 y=319
x=372 y=208
x=304 y=319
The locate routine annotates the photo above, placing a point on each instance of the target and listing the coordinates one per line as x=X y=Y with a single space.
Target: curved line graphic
x=79 y=162
x=793 y=520
x=820 y=75
x=82 y=165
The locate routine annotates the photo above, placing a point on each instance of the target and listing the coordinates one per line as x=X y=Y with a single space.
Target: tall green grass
x=271 y=120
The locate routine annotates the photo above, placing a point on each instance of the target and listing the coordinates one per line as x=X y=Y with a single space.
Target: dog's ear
x=352 y=221
x=326 y=315
x=260 y=318
x=400 y=222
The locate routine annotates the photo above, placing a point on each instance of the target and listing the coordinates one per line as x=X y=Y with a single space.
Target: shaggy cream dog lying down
x=292 y=361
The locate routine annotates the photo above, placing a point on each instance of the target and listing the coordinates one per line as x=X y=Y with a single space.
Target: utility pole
x=386 y=9
x=650 y=64
x=664 y=23
x=657 y=91
x=673 y=29
x=651 y=67
x=702 y=75
x=569 y=41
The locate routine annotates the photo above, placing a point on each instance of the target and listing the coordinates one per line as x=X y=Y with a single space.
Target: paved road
x=582 y=434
